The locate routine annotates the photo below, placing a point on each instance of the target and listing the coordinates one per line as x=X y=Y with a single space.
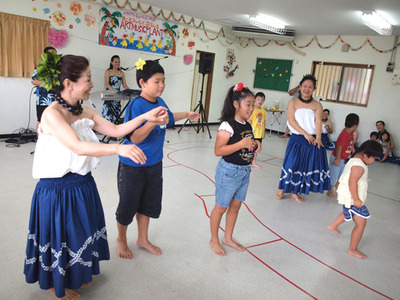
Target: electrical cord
x=24 y=135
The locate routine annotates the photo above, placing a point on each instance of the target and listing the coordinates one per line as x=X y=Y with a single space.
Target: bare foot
x=256 y=166
x=283 y=136
x=279 y=196
x=330 y=227
x=123 y=249
x=233 y=244
x=69 y=294
x=331 y=194
x=356 y=253
x=296 y=197
x=85 y=285
x=149 y=247
x=216 y=247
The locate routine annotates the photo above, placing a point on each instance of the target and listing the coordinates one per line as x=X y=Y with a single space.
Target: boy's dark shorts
x=140 y=191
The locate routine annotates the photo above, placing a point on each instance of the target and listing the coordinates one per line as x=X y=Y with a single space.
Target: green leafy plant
x=47 y=70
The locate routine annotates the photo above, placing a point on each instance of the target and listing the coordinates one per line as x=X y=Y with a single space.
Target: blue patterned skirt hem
x=305 y=168
x=67 y=234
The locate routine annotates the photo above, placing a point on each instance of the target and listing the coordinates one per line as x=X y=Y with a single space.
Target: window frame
x=342 y=71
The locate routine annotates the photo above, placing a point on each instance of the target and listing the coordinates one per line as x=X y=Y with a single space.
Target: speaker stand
x=203 y=118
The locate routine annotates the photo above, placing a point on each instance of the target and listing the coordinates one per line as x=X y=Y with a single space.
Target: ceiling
x=306 y=17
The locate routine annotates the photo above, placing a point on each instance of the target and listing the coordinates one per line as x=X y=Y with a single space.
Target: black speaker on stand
x=205 y=67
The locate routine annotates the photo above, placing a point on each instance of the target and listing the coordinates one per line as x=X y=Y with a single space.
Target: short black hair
x=309 y=77
x=47 y=49
x=329 y=112
x=260 y=94
x=383 y=123
x=150 y=68
x=351 y=120
x=374 y=133
x=370 y=148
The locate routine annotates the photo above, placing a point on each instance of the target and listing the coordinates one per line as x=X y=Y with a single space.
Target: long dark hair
x=228 y=110
x=111 y=66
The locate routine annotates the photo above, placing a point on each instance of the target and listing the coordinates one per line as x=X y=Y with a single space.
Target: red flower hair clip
x=238 y=87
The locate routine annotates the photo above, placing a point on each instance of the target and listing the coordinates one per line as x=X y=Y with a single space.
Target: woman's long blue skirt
x=67 y=234
x=305 y=168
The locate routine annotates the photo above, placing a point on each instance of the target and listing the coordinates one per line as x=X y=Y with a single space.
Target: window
x=343 y=83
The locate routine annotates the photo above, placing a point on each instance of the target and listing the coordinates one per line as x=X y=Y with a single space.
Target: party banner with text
x=130 y=30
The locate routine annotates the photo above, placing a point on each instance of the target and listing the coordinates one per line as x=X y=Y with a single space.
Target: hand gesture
x=193 y=116
x=309 y=138
x=133 y=152
x=336 y=162
x=158 y=114
x=248 y=143
x=318 y=143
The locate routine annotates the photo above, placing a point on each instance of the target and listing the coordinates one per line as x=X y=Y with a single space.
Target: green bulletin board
x=273 y=74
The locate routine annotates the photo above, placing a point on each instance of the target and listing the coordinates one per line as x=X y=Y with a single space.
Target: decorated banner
x=130 y=30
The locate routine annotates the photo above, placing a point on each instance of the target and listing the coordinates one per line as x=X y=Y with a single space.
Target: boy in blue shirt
x=140 y=186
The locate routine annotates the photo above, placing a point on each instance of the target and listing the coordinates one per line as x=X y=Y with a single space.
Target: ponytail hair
x=235 y=93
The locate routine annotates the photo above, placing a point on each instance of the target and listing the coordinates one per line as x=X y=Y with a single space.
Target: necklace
x=74 y=109
x=305 y=101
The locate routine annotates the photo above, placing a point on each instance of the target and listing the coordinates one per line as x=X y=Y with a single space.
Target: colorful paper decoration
x=188 y=59
x=58 y=38
x=59 y=18
x=75 y=7
x=229 y=69
x=191 y=44
x=90 y=20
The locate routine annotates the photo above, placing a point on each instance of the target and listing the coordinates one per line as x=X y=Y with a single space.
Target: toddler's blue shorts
x=354 y=210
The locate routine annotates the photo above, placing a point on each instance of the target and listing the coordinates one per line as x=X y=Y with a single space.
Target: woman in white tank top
x=67 y=235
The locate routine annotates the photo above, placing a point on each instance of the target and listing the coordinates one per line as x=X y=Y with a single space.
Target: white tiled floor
x=291 y=254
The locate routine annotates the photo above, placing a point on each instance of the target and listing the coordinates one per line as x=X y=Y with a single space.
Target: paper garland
x=221 y=34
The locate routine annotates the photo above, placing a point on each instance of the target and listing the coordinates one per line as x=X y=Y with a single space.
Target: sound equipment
x=205 y=63
x=203 y=118
x=107 y=96
x=127 y=94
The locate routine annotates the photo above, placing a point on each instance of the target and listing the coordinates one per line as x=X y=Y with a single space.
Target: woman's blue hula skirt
x=67 y=233
x=305 y=168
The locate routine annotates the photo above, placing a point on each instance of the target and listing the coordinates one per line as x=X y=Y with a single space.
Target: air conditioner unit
x=259 y=33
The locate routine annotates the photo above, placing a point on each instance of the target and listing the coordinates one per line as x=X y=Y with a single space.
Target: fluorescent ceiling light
x=268 y=23
x=376 y=22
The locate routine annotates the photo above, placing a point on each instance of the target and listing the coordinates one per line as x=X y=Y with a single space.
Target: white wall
x=384 y=102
